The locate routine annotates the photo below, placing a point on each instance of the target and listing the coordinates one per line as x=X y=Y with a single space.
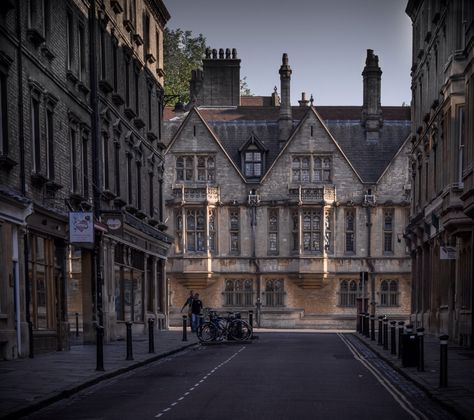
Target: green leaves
x=182 y=53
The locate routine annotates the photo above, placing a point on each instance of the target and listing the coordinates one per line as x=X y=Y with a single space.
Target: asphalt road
x=280 y=376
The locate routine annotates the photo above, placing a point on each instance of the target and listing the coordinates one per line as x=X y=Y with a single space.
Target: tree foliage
x=183 y=53
x=244 y=87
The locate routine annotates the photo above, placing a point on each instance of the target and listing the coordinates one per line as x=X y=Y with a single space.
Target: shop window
x=41 y=282
x=129 y=283
x=274 y=293
x=238 y=292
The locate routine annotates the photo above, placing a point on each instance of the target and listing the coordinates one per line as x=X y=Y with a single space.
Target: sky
x=326 y=42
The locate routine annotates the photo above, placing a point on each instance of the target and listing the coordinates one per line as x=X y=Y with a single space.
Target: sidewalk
x=458 y=396
x=27 y=385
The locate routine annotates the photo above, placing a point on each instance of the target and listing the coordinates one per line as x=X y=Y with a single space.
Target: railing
x=196 y=194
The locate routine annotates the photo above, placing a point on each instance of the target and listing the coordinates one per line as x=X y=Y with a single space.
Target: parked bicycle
x=219 y=328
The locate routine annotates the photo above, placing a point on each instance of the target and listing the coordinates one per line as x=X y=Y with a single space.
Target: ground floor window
x=389 y=293
x=274 y=292
x=348 y=293
x=41 y=281
x=129 y=283
x=238 y=292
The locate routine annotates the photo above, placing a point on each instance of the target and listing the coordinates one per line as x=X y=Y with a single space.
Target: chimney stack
x=218 y=83
x=371 y=109
x=285 y=121
x=303 y=101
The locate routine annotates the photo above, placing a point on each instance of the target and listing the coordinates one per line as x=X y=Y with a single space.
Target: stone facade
x=277 y=209
x=62 y=149
x=441 y=227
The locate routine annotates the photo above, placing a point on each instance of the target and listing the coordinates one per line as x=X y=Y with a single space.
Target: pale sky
x=326 y=42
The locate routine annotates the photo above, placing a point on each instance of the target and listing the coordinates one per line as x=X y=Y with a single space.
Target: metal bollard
x=380 y=341
x=251 y=319
x=400 y=341
x=151 y=335
x=361 y=323
x=185 y=338
x=385 y=333
x=129 y=341
x=393 y=338
x=366 y=325
x=372 y=327
x=99 y=347
x=443 y=361
x=77 y=324
x=420 y=332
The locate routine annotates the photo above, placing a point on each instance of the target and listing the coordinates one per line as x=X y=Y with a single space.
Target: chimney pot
x=214 y=53
x=234 y=53
x=221 y=53
x=227 y=53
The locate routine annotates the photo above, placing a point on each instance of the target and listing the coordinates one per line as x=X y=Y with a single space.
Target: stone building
x=61 y=151
x=441 y=226
x=278 y=209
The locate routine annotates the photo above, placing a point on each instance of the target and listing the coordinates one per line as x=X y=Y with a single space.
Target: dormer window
x=253 y=164
x=252 y=155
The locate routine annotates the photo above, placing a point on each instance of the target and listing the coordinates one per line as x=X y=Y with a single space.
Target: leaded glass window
x=238 y=292
x=312 y=230
x=350 y=231
x=388 y=231
x=195 y=229
x=274 y=292
x=273 y=231
x=234 y=230
x=300 y=168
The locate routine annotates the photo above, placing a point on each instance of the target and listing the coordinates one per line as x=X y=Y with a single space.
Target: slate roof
x=233 y=126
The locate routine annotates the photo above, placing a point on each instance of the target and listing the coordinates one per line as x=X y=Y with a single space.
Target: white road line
x=197 y=384
x=394 y=392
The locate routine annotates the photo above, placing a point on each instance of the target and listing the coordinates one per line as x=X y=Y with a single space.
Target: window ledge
x=47 y=52
x=105 y=86
x=117 y=99
x=38 y=179
x=129 y=113
x=35 y=37
x=71 y=77
x=7 y=163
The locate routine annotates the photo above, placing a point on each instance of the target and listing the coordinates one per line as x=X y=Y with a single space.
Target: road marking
x=174 y=403
x=393 y=391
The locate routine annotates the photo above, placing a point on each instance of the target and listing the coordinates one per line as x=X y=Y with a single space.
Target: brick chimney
x=285 y=120
x=218 y=84
x=371 y=117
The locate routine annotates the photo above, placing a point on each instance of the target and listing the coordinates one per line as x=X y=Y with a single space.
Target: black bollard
x=251 y=319
x=443 y=361
x=100 y=347
x=372 y=327
x=185 y=338
x=393 y=338
x=77 y=324
x=129 y=341
x=364 y=324
x=420 y=332
x=385 y=333
x=400 y=341
x=359 y=322
x=380 y=341
x=151 y=335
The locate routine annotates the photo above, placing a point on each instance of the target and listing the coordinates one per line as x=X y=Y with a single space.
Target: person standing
x=196 y=309
x=189 y=303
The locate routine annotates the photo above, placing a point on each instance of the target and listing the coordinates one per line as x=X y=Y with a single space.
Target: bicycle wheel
x=207 y=332
x=239 y=330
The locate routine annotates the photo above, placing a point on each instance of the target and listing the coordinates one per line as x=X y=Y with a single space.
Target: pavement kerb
x=433 y=395
x=66 y=393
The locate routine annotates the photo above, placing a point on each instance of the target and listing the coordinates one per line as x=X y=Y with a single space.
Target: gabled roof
x=234 y=125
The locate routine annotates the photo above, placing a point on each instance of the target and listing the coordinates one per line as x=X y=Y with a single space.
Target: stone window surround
x=318 y=170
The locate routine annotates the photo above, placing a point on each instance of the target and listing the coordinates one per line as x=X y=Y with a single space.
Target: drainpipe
x=472 y=288
x=16 y=285
x=369 y=260
x=253 y=200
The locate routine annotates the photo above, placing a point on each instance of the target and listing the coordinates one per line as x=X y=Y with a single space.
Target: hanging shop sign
x=81 y=227
x=448 y=253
